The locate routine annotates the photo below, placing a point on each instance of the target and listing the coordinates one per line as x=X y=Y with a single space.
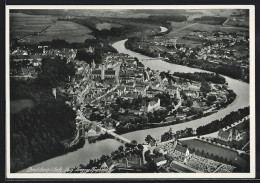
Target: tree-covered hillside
x=45 y=129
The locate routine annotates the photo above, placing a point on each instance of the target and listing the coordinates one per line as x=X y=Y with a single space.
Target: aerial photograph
x=129 y=91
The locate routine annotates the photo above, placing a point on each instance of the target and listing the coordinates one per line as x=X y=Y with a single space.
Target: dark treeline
x=233 y=71
x=211 y=20
x=175 y=18
x=132 y=44
x=227 y=69
x=55 y=71
x=37 y=133
x=226 y=121
x=129 y=25
x=104 y=33
x=152 y=20
x=90 y=22
x=202 y=76
x=89 y=57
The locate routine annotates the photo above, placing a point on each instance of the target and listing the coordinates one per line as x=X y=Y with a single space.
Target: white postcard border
x=252 y=173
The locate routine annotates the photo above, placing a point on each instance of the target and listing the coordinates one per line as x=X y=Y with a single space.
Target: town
x=121 y=95
x=82 y=93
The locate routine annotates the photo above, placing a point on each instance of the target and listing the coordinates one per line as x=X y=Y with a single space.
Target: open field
x=106 y=25
x=196 y=13
x=18 y=105
x=22 y=24
x=180 y=30
x=69 y=31
x=38 y=28
x=237 y=23
x=210 y=148
x=183 y=29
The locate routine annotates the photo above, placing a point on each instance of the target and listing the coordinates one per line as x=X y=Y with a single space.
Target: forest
x=226 y=121
x=202 y=76
x=44 y=130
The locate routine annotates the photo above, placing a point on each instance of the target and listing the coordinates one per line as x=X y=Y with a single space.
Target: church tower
x=103 y=72
x=178 y=92
x=175 y=144
x=93 y=64
x=54 y=92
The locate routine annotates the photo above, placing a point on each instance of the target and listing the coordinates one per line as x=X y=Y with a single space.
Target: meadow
x=209 y=148
x=69 y=31
x=106 y=25
x=34 y=29
x=237 y=23
x=22 y=24
x=181 y=29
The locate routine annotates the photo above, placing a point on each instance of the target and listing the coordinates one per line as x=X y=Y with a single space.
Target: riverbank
x=151 y=56
x=240 y=88
x=228 y=152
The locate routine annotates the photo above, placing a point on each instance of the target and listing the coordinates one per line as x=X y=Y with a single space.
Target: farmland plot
x=22 y=24
x=106 y=25
x=180 y=29
x=69 y=31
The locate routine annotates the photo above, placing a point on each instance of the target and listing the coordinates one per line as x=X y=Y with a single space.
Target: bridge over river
x=110 y=132
x=116 y=136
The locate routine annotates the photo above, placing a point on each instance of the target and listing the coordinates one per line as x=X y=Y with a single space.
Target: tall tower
x=178 y=92
x=93 y=64
x=175 y=143
x=54 y=92
x=103 y=72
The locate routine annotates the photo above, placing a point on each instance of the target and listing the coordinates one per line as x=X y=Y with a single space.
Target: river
x=96 y=150
x=163 y=29
x=239 y=87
